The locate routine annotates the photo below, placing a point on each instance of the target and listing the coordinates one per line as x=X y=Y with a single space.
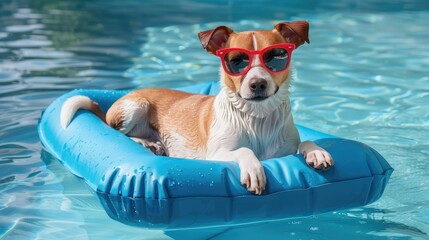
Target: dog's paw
x=153 y=145
x=157 y=148
x=252 y=176
x=319 y=159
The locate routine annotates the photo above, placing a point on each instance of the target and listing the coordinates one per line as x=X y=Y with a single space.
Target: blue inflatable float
x=139 y=188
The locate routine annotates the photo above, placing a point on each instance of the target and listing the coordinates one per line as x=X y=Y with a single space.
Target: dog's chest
x=268 y=138
x=273 y=136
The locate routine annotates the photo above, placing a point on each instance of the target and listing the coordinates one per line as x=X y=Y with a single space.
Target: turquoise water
x=365 y=76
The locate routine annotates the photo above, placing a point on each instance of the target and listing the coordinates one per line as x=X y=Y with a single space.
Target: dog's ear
x=215 y=39
x=294 y=32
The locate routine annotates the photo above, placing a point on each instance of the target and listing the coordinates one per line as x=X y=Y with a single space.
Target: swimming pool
x=364 y=77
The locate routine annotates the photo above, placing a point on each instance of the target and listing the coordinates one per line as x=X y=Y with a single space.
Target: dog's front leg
x=252 y=174
x=315 y=156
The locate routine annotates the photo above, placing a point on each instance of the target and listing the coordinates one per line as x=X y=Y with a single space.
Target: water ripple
x=23 y=28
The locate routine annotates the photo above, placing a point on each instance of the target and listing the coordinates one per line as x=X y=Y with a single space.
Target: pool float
x=139 y=188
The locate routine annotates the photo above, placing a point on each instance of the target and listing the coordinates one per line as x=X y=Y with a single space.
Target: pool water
x=365 y=76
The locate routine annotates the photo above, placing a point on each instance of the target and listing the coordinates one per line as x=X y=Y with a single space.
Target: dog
x=248 y=121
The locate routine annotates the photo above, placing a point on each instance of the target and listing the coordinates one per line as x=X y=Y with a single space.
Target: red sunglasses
x=274 y=58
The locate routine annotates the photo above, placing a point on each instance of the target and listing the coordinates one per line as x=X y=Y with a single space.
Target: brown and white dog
x=248 y=121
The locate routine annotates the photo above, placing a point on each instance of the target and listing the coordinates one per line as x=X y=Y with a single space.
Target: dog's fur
x=235 y=125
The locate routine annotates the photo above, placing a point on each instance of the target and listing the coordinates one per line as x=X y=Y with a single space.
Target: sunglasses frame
x=289 y=47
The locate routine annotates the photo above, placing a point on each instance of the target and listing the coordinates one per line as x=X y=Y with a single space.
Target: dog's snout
x=258 y=85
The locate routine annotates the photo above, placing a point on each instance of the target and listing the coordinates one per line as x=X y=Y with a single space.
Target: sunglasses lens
x=236 y=62
x=276 y=59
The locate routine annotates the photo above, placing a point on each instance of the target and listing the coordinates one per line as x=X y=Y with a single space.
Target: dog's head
x=256 y=64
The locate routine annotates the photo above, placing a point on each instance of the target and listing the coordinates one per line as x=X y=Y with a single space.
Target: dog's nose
x=258 y=85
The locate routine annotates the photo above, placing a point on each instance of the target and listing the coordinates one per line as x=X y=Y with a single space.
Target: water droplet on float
x=211 y=183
